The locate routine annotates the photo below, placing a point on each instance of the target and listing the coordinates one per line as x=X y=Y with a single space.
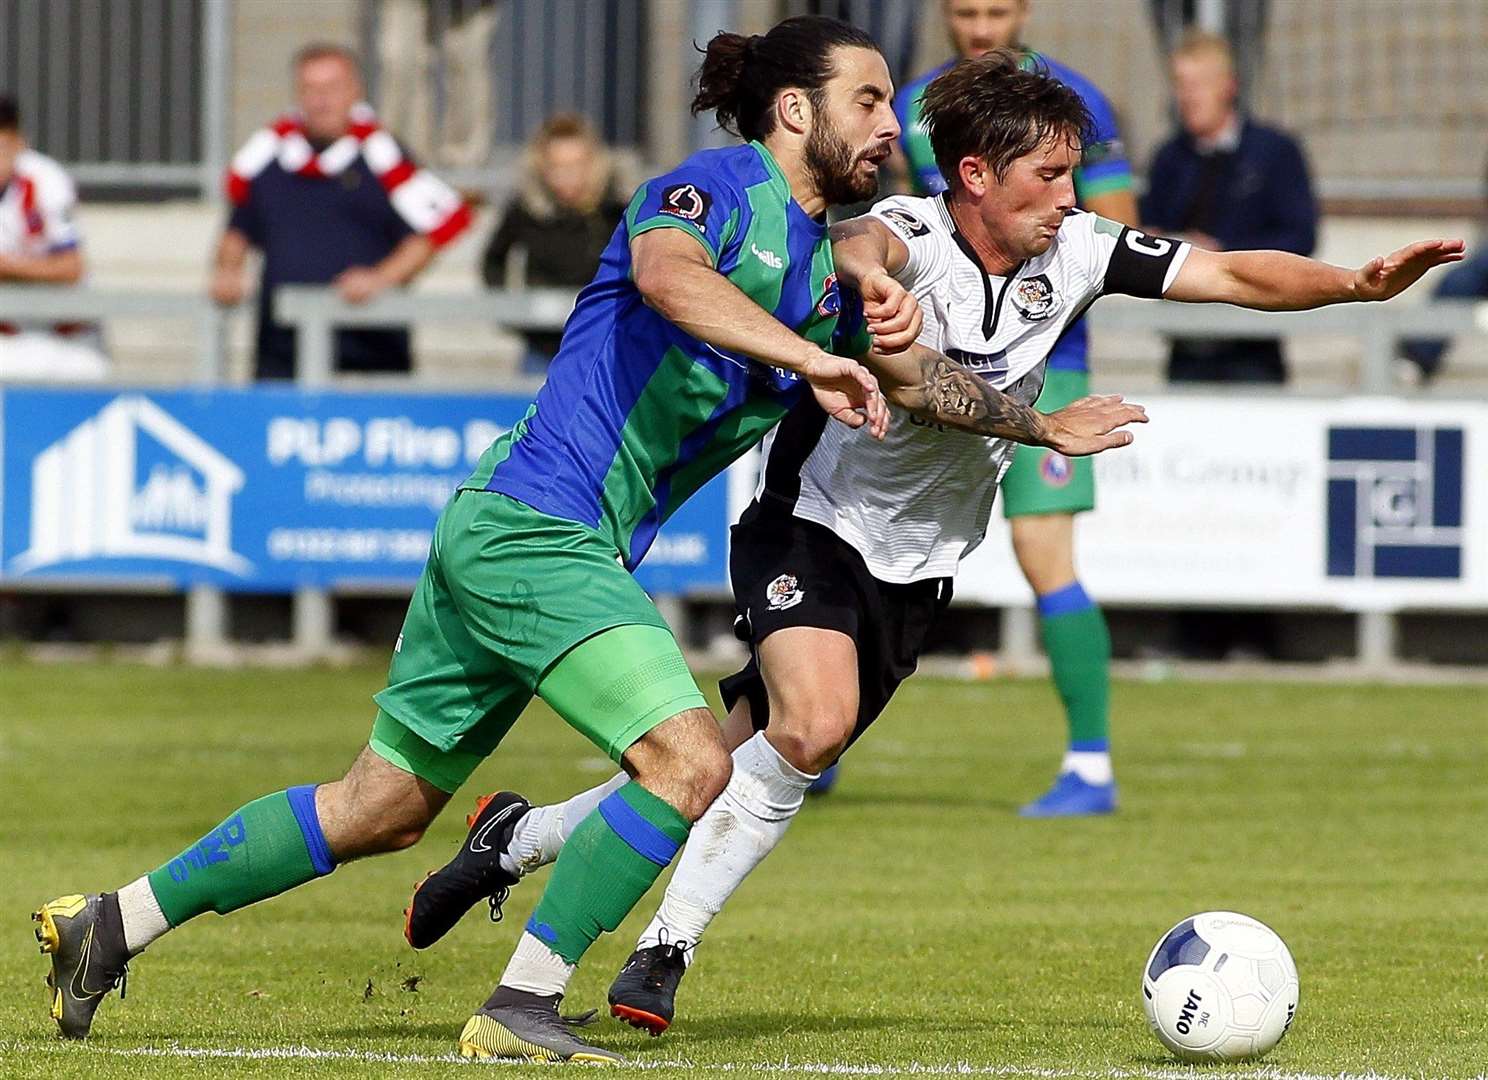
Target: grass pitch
x=909 y=924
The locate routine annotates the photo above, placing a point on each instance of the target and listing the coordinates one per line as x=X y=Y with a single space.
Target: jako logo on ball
x=1219 y=987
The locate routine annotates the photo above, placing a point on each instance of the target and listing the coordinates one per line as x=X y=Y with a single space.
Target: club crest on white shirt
x=784 y=592
x=1035 y=298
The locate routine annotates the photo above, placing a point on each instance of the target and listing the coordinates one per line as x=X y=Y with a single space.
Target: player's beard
x=833 y=166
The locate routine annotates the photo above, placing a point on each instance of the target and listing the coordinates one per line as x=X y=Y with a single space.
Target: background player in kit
x=844 y=560
x=710 y=316
x=1043 y=489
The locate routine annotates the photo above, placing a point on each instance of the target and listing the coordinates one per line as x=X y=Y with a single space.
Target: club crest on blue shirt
x=831 y=301
x=686 y=201
x=1035 y=298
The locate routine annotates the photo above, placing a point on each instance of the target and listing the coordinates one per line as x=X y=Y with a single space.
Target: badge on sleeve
x=686 y=201
x=1035 y=298
x=905 y=222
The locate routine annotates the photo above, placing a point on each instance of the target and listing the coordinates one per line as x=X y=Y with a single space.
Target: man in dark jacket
x=558 y=224
x=1226 y=183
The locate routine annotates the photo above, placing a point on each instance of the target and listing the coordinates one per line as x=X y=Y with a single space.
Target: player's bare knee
x=810 y=740
x=715 y=776
x=683 y=761
x=703 y=772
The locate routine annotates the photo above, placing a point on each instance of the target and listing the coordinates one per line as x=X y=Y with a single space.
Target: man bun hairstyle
x=990 y=107
x=741 y=76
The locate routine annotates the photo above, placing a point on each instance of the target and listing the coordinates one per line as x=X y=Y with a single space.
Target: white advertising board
x=1354 y=504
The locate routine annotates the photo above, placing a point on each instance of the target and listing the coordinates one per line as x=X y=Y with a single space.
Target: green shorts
x=1040 y=481
x=515 y=603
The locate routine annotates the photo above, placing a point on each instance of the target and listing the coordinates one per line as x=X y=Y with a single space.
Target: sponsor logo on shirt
x=1035 y=298
x=906 y=222
x=769 y=258
x=686 y=201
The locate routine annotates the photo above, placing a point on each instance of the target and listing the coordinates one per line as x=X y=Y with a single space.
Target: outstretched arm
x=935 y=387
x=1277 y=281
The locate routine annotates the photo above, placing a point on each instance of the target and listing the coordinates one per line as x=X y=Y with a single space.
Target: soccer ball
x=1220 y=987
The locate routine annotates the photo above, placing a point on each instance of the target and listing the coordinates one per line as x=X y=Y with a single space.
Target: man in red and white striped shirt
x=329 y=197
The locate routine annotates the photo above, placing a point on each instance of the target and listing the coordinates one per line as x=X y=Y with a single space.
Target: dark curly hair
x=991 y=108
x=740 y=76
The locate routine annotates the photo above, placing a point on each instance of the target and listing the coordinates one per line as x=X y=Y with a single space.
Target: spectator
x=558 y=223
x=329 y=197
x=1226 y=183
x=1467 y=280
x=39 y=245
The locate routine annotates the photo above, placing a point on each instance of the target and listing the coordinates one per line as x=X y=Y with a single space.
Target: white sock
x=741 y=827
x=1092 y=766
x=143 y=919
x=536 y=968
x=543 y=830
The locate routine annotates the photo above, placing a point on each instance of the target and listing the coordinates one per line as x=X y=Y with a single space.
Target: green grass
x=909 y=918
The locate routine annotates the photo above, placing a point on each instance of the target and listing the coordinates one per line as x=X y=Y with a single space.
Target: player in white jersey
x=844 y=560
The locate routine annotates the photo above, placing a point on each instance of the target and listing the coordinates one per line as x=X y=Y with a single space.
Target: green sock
x=266 y=848
x=614 y=855
x=1079 y=648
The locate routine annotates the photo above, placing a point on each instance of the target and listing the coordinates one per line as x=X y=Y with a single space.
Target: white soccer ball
x=1220 y=987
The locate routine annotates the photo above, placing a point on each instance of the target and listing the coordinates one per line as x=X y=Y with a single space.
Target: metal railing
x=316 y=313
x=127 y=93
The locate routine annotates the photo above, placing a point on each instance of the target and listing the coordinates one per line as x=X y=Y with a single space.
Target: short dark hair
x=741 y=76
x=10 y=115
x=325 y=50
x=991 y=107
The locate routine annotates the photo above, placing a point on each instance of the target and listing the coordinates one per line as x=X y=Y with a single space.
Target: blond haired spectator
x=555 y=228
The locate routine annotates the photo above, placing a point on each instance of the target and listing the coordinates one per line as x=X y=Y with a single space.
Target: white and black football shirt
x=916 y=503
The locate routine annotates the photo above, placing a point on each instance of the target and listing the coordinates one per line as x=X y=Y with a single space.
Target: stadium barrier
x=1353 y=502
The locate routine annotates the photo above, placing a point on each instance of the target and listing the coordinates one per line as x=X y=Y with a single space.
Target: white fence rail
x=317 y=312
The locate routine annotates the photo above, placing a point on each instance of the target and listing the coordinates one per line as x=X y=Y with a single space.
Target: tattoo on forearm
x=957 y=396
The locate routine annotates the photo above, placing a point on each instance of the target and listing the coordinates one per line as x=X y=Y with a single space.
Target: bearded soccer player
x=846 y=556
x=1043 y=489
x=711 y=316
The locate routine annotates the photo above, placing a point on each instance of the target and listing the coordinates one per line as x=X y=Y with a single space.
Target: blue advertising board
x=265 y=489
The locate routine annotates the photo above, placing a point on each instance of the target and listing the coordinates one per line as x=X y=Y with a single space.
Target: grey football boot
x=517 y=1025
x=85 y=937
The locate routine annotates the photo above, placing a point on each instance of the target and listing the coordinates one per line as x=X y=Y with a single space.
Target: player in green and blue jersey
x=1043 y=490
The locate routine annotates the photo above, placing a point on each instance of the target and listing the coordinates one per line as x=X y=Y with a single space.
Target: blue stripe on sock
x=1065 y=601
x=1091 y=746
x=542 y=931
x=644 y=838
x=302 y=802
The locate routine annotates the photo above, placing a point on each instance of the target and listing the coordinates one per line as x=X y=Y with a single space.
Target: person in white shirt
x=844 y=560
x=39 y=245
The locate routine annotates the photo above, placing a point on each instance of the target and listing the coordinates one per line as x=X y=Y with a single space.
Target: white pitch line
x=803 y=1068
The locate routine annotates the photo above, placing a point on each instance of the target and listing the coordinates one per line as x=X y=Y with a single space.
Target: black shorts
x=789 y=572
